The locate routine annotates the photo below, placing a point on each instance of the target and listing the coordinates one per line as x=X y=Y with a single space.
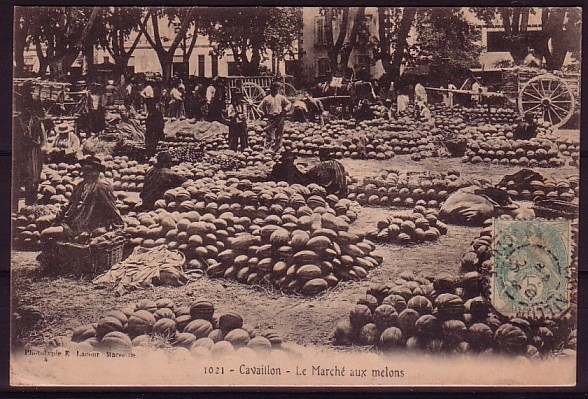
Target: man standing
x=154 y=125
x=237 y=119
x=420 y=94
x=274 y=107
x=31 y=142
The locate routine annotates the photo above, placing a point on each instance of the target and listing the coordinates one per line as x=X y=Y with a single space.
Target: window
x=324 y=67
x=201 y=65
x=105 y=60
x=319 y=31
x=214 y=65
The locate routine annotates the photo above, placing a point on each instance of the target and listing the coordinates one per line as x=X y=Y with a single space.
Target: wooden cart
x=552 y=96
x=255 y=88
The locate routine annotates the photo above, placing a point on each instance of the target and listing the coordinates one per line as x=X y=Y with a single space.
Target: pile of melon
x=537 y=152
x=57 y=183
x=259 y=232
x=394 y=188
x=29 y=222
x=499 y=115
x=553 y=189
x=421 y=225
x=126 y=175
x=198 y=328
x=446 y=314
x=569 y=148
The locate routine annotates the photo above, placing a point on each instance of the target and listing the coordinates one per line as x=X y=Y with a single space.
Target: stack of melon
x=419 y=226
x=553 y=189
x=537 y=152
x=500 y=115
x=198 y=328
x=393 y=188
x=28 y=224
x=446 y=314
x=569 y=148
x=214 y=222
x=57 y=183
x=305 y=254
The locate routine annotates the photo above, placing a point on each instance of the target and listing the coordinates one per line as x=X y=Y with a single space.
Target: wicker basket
x=78 y=259
x=551 y=209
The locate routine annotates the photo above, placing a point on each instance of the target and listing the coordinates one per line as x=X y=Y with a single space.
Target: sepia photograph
x=290 y=197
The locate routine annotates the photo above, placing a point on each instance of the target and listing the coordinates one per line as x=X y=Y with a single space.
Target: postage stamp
x=531 y=268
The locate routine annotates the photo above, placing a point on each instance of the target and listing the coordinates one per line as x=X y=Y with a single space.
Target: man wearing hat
x=92 y=204
x=329 y=173
x=66 y=145
x=286 y=170
x=237 y=121
x=158 y=180
x=274 y=107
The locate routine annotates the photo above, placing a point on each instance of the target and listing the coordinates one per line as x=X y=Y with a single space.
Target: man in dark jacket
x=527 y=129
x=329 y=173
x=154 y=125
x=286 y=170
x=158 y=180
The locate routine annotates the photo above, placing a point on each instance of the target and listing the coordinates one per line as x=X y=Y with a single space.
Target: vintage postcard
x=295 y=196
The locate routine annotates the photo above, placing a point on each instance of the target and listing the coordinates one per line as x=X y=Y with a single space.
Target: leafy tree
x=182 y=18
x=114 y=30
x=394 y=25
x=59 y=34
x=282 y=30
x=516 y=23
x=446 y=42
x=560 y=35
x=249 y=32
x=22 y=27
x=339 y=19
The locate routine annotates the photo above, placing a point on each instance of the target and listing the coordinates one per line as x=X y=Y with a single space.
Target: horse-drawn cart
x=552 y=96
x=255 y=88
x=59 y=102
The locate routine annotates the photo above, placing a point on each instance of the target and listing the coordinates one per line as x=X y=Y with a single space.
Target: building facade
x=313 y=49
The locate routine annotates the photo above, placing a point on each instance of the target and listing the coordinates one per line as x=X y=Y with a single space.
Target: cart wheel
x=289 y=90
x=549 y=97
x=252 y=94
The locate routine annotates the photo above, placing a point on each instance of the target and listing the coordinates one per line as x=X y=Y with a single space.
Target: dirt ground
x=66 y=303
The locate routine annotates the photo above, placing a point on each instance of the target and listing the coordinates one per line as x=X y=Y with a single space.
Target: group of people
x=328 y=173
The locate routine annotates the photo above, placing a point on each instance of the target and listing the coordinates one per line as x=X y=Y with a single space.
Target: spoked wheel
x=253 y=94
x=548 y=97
x=289 y=90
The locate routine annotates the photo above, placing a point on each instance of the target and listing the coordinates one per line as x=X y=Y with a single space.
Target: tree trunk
x=384 y=39
x=408 y=15
x=120 y=67
x=357 y=22
x=166 y=62
x=89 y=59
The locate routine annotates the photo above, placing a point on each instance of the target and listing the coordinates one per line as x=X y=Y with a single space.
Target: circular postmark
x=531 y=262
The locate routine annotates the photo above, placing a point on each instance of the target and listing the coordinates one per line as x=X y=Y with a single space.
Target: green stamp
x=531 y=268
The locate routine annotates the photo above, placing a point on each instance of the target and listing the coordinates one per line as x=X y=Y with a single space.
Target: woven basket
x=550 y=209
x=71 y=258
